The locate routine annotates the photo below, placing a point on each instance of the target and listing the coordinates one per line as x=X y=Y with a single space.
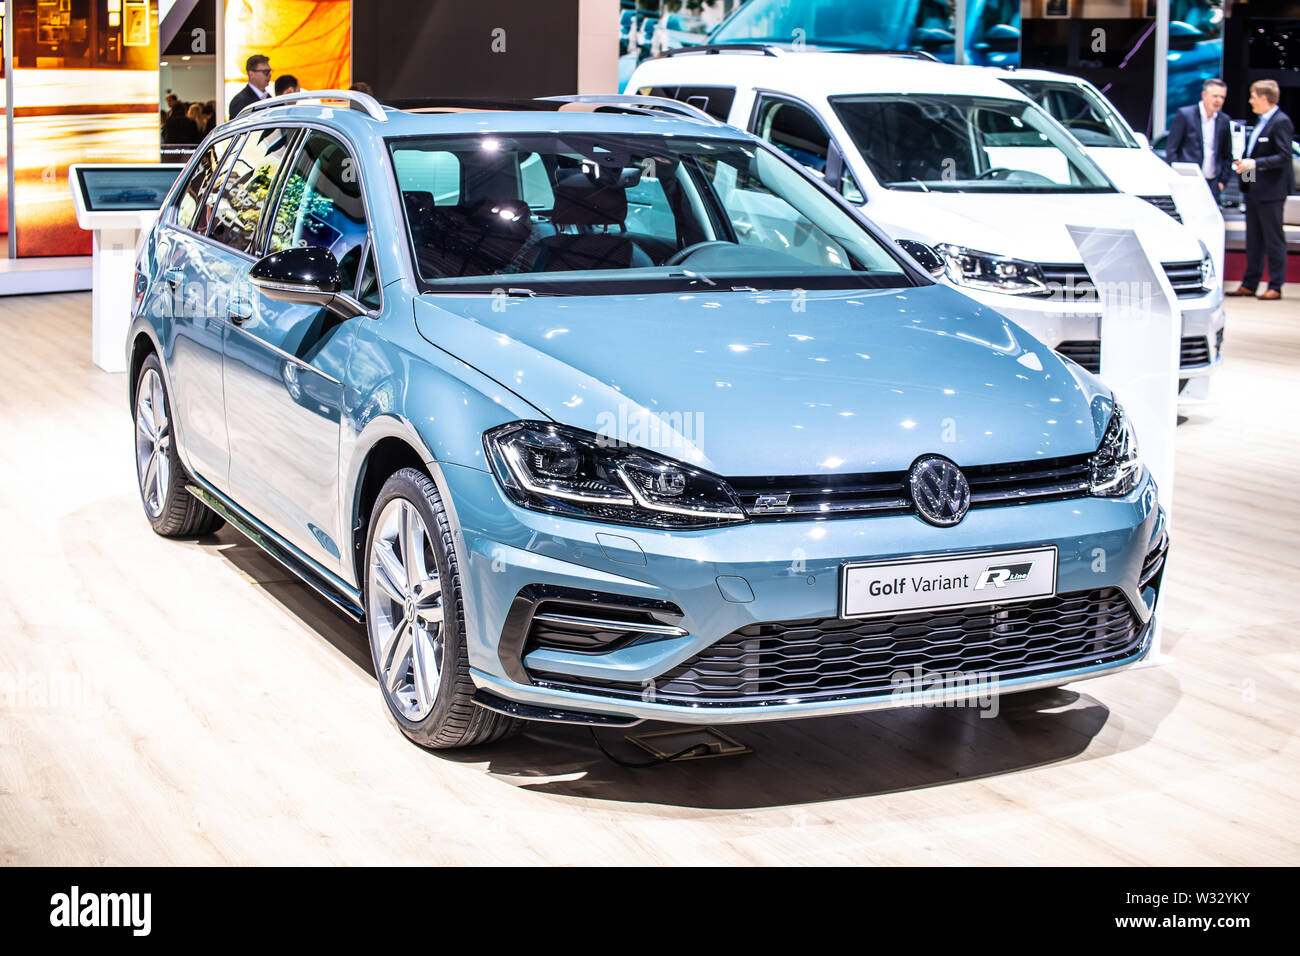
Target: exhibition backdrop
x=85 y=89
x=85 y=73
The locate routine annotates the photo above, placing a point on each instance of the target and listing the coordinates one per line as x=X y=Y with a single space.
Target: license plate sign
x=966 y=580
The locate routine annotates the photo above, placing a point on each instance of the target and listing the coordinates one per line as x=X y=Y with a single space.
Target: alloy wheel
x=152 y=443
x=404 y=604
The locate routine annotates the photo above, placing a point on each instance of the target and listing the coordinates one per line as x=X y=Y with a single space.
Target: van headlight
x=1117 y=465
x=990 y=273
x=563 y=470
x=1207 y=269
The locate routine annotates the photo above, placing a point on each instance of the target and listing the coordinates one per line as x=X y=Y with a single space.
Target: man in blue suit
x=1202 y=135
x=1267 y=178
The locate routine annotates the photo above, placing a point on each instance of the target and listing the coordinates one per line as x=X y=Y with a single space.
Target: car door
x=285 y=363
x=193 y=332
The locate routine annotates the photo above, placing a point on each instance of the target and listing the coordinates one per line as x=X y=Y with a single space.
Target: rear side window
x=201 y=177
x=248 y=186
x=714 y=100
x=321 y=204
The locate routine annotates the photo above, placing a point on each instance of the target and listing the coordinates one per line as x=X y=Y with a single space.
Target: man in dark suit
x=1267 y=179
x=258 y=69
x=1202 y=135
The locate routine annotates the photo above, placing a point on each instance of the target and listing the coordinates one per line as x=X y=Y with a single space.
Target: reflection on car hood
x=782 y=383
x=1029 y=227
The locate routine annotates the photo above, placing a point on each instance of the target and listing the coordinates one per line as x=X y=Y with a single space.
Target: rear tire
x=416 y=621
x=171 y=509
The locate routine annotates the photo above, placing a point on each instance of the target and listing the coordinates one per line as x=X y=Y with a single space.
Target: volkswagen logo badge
x=939 y=490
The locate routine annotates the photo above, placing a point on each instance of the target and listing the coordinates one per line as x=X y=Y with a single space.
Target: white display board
x=118 y=202
x=1141 y=326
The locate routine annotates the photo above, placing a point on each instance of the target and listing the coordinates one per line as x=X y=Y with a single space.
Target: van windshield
x=947 y=143
x=560 y=213
x=1080 y=109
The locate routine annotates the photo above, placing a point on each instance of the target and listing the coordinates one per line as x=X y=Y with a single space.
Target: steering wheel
x=681 y=255
x=997 y=172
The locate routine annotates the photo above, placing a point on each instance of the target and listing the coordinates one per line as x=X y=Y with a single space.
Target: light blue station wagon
x=600 y=411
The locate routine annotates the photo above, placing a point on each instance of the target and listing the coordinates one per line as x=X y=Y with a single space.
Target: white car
x=952 y=157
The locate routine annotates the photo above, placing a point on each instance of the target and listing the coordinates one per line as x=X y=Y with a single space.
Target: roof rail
x=767 y=49
x=774 y=49
x=635 y=104
x=355 y=100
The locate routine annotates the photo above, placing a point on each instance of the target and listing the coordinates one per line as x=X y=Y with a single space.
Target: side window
x=794 y=131
x=205 y=170
x=714 y=100
x=321 y=204
x=247 y=187
x=800 y=135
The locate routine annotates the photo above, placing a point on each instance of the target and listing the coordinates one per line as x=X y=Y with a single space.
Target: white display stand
x=116 y=237
x=1201 y=211
x=1141 y=326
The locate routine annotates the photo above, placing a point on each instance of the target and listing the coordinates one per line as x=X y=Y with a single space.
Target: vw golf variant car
x=618 y=414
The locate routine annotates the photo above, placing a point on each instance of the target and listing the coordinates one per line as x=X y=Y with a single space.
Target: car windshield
x=563 y=213
x=836 y=23
x=949 y=143
x=1080 y=109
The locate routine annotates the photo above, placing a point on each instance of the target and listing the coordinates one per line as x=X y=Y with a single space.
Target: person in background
x=1267 y=178
x=258 y=68
x=195 y=115
x=286 y=83
x=361 y=87
x=209 y=116
x=180 y=129
x=1201 y=134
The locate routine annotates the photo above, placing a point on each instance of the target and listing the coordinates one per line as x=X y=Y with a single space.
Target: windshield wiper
x=692 y=275
x=924 y=187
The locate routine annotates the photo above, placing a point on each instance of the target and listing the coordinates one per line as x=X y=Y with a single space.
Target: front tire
x=171 y=509
x=416 y=621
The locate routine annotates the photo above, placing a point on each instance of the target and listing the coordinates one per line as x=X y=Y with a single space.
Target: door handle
x=174 y=277
x=240 y=312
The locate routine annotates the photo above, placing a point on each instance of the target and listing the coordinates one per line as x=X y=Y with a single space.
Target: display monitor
x=125 y=188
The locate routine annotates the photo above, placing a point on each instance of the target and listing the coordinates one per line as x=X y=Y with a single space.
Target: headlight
x=563 y=470
x=1207 y=269
x=983 y=270
x=1117 y=465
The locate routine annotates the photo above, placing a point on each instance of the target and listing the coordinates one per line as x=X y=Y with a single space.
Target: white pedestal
x=1141 y=326
x=112 y=275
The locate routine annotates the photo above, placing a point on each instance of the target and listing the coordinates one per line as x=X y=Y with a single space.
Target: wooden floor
x=165 y=702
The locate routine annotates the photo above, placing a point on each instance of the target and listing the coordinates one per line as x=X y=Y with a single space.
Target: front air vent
x=1165 y=204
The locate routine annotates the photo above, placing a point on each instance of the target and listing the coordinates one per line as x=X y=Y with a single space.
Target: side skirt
x=347 y=599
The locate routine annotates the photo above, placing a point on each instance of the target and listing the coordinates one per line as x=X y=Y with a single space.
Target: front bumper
x=722 y=580
x=1056 y=322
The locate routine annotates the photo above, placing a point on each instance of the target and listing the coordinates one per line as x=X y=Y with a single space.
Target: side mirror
x=926 y=257
x=304 y=275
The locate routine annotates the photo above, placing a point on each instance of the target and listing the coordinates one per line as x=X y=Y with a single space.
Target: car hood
x=746 y=383
x=1137 y=171
x=1029 y=227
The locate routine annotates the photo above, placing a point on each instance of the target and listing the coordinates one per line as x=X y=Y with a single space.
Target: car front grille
x=835 y=658
x=1193 y=351
x=1165 y=204
x=1070 y=282
x=802 y=497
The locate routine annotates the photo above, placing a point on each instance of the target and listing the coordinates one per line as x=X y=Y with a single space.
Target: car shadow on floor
x=792 y=763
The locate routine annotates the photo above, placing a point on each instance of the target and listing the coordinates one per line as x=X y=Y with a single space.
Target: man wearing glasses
x=258 y=68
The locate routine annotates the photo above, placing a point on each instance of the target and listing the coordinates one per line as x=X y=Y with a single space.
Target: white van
x=1122 y=153
x=953 y=157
